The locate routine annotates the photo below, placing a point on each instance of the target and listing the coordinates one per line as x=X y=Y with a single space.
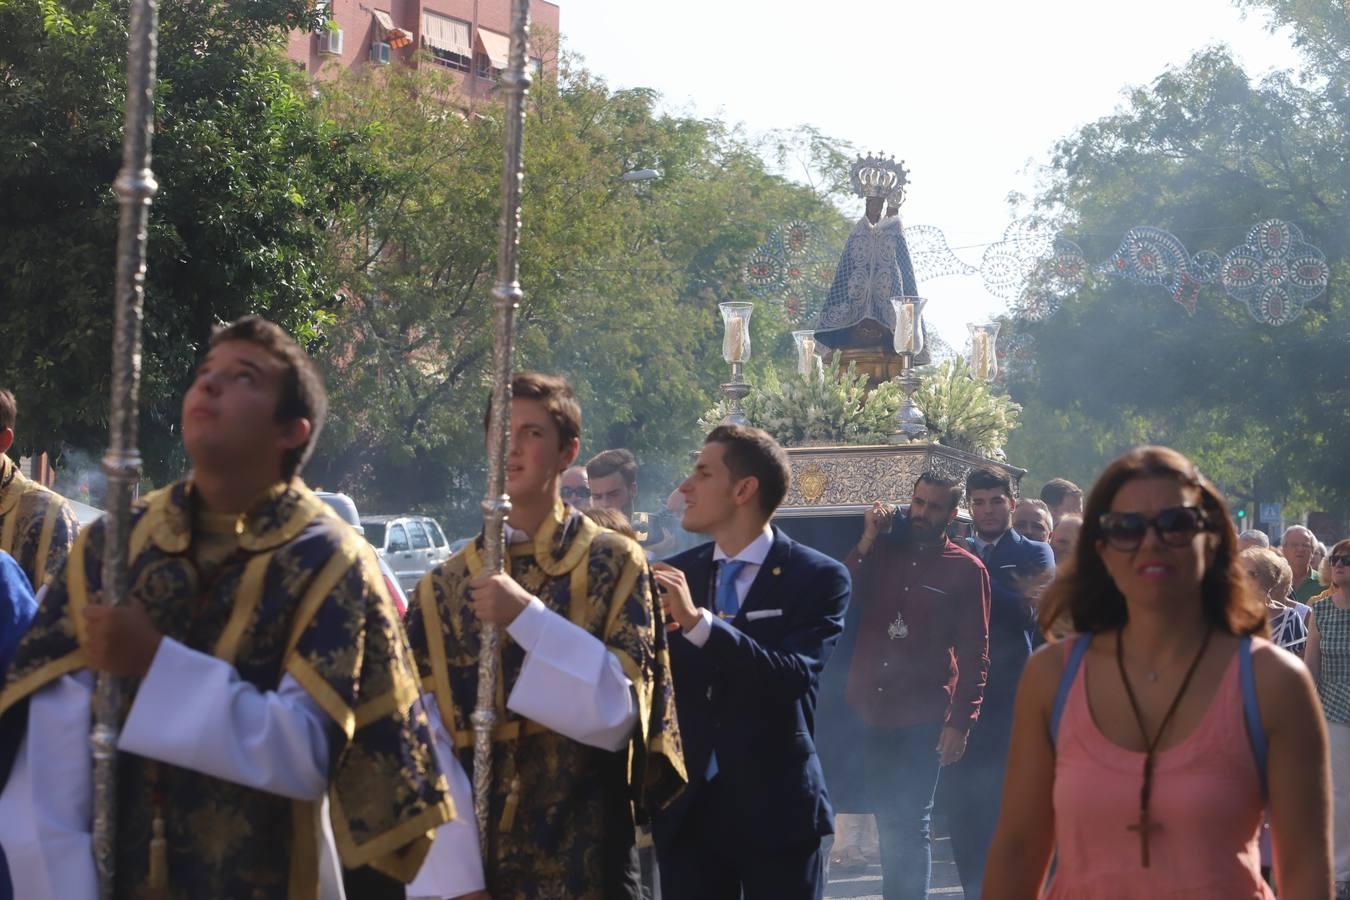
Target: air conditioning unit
x=330 y=42
x=379 y=53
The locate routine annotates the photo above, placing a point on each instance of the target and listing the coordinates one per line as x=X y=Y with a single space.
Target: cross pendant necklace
x=1146 y=825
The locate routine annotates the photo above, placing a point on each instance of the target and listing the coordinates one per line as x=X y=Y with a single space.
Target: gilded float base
x=845 y=480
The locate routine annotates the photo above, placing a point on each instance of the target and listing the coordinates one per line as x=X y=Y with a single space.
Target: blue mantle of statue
x=875 y=266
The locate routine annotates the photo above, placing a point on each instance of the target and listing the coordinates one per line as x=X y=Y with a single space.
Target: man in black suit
x=972 y=790
x=758 y=614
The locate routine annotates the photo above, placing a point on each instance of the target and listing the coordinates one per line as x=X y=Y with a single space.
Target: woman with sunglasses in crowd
x=1138 y=761
x=1328 y=658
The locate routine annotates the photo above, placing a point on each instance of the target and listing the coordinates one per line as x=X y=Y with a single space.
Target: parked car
x=412 y=545
x=345 y=507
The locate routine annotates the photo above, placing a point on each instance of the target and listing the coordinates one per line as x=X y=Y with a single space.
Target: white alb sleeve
x=46 y=807
x=453 y=866
x=570 y=682
x=193 y=710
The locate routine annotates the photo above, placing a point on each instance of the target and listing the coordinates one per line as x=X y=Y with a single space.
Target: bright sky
x=971 y=95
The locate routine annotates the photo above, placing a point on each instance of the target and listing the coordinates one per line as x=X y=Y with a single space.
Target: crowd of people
x=1120 y=684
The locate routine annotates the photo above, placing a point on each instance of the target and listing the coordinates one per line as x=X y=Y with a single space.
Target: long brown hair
x=1084 y=591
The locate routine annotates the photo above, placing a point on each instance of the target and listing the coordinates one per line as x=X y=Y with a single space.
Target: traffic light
x=1241 y=514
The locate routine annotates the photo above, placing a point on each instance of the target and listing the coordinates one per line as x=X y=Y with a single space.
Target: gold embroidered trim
x=303 y=883
x=581 y=543
x=11 y=525
x=77 y=590
x=322 y=693
x=9 y=497
x=397 y=702
x=633 y=568
x=579 y=604
x=246 y=600
x=382 y=852
x=344 y=556
x=29 y=683
x=506 y=731
x=440 y=669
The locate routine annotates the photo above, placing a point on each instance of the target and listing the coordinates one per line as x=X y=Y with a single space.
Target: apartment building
x=467 y=37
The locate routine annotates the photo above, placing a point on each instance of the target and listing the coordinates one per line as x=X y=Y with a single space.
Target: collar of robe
x=11 y=485
x=275 y=517
x=562 y=541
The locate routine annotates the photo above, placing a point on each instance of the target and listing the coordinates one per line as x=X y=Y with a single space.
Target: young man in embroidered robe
x=37 y=526
x=586 y=719
x=268 y=673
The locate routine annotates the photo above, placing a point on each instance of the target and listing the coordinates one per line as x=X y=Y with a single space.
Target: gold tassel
x=159 y=858
x=512 y=801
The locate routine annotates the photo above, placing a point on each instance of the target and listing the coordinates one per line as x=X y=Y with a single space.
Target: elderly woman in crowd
x=1064 y=539
x=1272 y=577
x=1328 y=659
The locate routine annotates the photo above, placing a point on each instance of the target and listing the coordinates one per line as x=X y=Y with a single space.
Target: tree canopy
x=1205 y=152
x=361 y=213
x=621 y=281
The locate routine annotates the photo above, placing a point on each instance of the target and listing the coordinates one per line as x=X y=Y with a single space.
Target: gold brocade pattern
x=265 y=609
x=572 y=830
x=37 y=526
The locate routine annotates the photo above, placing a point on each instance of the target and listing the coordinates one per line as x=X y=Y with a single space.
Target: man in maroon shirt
x=918 y=668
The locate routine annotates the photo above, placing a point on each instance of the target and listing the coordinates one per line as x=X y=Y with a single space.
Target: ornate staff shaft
x=506 y=295
x=135 y=187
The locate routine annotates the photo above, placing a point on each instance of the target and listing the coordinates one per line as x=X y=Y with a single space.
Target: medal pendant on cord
x=898 y=630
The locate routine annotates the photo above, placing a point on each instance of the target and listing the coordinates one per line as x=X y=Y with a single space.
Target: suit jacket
x=749 y=694
x=1013 y=565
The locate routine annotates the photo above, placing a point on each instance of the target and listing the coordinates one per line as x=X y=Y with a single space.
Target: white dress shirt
x=753 y=555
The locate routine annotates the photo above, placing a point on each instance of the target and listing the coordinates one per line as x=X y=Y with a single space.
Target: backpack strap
x=1080 y=645
x=1251 y=712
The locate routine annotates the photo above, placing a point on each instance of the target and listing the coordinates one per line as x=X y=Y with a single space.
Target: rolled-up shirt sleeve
x=570 y=682
x=193 y=710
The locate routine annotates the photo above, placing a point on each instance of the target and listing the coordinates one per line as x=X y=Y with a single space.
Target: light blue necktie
x=728 y=602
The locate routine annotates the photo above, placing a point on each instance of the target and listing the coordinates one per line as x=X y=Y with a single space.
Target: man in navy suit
x=972 y=789
x=758 y=615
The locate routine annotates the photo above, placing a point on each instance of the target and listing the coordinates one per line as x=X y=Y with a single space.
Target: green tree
x=249 y=183
x=1206 y=153
x=621 y=282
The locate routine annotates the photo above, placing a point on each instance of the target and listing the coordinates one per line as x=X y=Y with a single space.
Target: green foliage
x=962 y=412
x=832 y=407
x=1205 y=152
x=621 y=284
x=248 y=182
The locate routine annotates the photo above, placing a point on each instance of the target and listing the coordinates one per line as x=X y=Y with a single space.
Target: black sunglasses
x=576 y=493
x=1339 y=560
x=1175 y=527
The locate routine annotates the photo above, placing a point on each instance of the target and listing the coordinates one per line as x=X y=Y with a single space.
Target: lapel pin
x=777 y=570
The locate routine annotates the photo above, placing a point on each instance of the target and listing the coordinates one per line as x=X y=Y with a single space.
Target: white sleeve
x=699 y=634
x=46 y=806
x=570 y=682
x=453 y=866
x=194 y=711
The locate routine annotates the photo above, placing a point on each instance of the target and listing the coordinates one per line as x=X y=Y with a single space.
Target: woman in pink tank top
x=1146 y=784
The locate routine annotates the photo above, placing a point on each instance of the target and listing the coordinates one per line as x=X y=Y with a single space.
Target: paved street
x=867 y=885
